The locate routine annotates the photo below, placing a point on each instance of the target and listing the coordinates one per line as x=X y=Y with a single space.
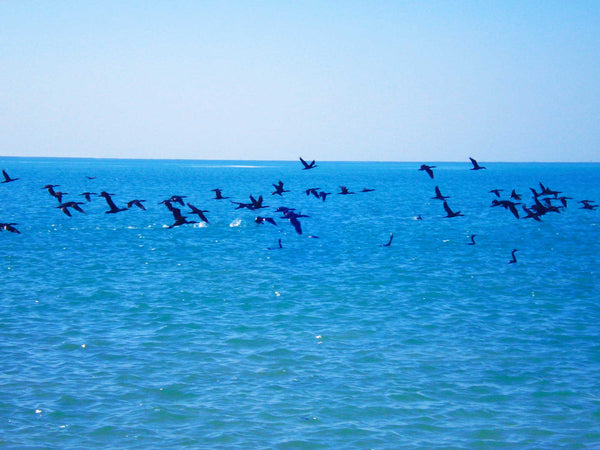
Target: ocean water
x=117 y=331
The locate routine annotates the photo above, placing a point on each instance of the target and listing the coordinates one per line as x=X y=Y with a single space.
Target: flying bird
x=427 y=169
x=9 y=227
x=438 y=194
x=219 y=194
x=137 y=203
x=279 y=190
x=109 y=201
x=199 y=212
x=7 y=178
x=476 y=166
x=449 y=212
x=306 y=165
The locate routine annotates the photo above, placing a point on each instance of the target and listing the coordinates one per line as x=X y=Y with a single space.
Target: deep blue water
x=117 y=331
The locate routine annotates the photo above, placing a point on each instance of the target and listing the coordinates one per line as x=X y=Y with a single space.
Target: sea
x=120 y=330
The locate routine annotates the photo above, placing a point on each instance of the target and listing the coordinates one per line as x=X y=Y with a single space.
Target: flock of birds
x=545 y=201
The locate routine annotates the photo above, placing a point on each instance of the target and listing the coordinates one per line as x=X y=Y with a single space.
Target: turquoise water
x=119 y=332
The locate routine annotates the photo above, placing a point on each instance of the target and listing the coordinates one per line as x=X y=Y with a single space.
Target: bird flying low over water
x=7 y=178
x=179 y=218
x=260 y=220
x=367 y=189
x=219 y=194
x=514 y=257
x=587 y=204
x=279 y=190
x=514 y=195
x=449 y=212
x=88 y=195
x=344 y=191
x=9 y=227
x=137 y=203
x=306 y=165
x=313 y=191
x=530 y=214
x=292 y=216
x=199 y=212
x=507 y=204
x=496 y=192
x=476 y=166
x=438 y=194
x=109 y=201
x=64 y=207
x=427 y=169
x=389 y=242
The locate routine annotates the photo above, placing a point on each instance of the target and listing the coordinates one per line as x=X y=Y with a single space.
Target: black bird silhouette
x=427 y=169
x=179 y=218
x=514 y=257
x=389 y=242
x=449 y=212
x=587 y=204
x=199 y=212
x=9 y=227
x=367 y=190
x=472 y=240
x=476 y=166
x=109 y=201
x=496 y=192
x=324 y=195
x=507 y=204
x=219 y=194
x=530 y=214
x=64 y=207
x=313 y=191
x=276 y=248
x=260 y=220
x=344 y=191
x=293 y=218
x=88 y=195
x=514 y=195
x=137 y=203
x=7 y=178
x=50 y=188
x=178 y=199
x=306 y=165
x=279 y=190
x=438 y=194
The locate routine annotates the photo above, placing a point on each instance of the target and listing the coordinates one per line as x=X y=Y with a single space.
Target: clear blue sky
x=328 y=80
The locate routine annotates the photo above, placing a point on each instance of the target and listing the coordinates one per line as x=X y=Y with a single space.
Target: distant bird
x=219 y=194
x=438 y=194
x=260 y=220
x=313 y=191
x=50 y=188
x=476 y=166
x=88 y=195
x=137 y=203
x=276 y=248
x=344 y=191
x=90 y=178
x=7 y=178
x=472 y=240
x=514 y=195
x=9 y=227
x=59 y=195
x=64 y=207
x=306 y=165
x=507 y=204
x=496 y=192
x=179 y=218
x=514 y=257
x=587 y=204
x=367 y=190
x=178 y=199
x=451 y=213
x=324 y=195
x=530 y=214
x=293 y=218
x=279 y=190
x=199 y=212
x=427 y=169
x=389 y=242
x=109 y=201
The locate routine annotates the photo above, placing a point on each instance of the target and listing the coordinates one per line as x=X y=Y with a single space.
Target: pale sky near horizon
x=326 y=80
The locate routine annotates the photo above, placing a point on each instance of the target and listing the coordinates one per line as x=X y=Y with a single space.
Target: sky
x=326 y=80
